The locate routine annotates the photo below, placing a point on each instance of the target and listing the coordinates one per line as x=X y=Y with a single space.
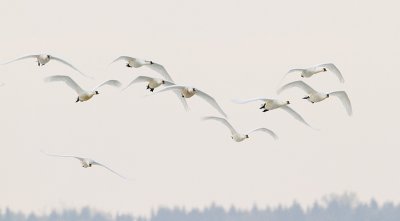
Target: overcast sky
x=230 y=49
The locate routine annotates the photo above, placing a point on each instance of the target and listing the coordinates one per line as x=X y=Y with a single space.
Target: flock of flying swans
x=184 y=92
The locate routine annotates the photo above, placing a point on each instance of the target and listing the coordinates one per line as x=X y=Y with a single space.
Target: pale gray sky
x=230 y=49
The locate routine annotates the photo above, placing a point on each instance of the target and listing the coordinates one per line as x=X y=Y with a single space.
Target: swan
x=152 y=83
x=43 y=59
x=188 y=92
x=310 y=71
x=238 y=137
x=86 y=162
x=315 y=96
x=137 y=63
x=83 y=95
x=272 y=104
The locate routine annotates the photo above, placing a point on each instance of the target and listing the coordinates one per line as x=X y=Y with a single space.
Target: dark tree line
x=334 y=208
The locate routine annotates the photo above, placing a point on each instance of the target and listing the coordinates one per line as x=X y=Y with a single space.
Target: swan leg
x=77 y=100
x=151 y=89
x=306 y=97
x=263 y=106
x=265 y=110
x=128 y=65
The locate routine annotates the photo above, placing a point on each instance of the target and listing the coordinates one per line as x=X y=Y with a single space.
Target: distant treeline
x=333 y=208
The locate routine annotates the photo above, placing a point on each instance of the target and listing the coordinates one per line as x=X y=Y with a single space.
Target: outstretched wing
x=211 y=101
x=176 y=89
x=268 y=131
x=21 y=58
x=344 y=99
x=169 y=88
x=294 y=114
x=332 y=68
x=161 y=70
x=223 y=121
x=68 y=64
x=124 y=58
x=67 y=80
x=182 y=99
x=99 y=164
x=68 y=156
x=291 y=71
x=139 y=80
x=113 y=83
x=297 y=84
x=251 y=100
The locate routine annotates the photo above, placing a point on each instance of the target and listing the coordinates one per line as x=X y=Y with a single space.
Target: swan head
x=96 y=92
x=287 y=102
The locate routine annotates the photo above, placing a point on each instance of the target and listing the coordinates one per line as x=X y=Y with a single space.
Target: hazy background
x=230 y=49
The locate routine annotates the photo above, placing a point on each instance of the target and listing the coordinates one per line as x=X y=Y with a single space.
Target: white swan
x=188 y=92
x=152 y=83
x=137 y=63
x=315 y=96
x=308 y=72
x=83 y=95
x=86 y=162
x=271 y=104
x=238 y=137
x=43 y=59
